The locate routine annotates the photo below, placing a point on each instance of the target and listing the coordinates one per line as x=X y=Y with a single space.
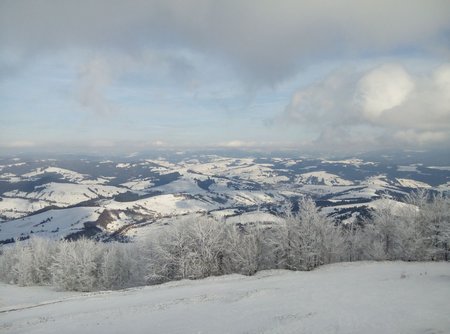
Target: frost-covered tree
x=43 y=251
x=208 y=246
x=28 y=262
x=383 y=230
x=120 y=267
x=430 y=220
x=77 y=265
x=186 y=249
x=417 y=230
x=243 y=250
x=195 y=248
x=22 y=269
x=355 y=242
x=308 y=239
x=171 y=254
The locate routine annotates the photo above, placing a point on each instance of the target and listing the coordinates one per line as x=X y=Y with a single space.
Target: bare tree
x=77 y=265
x=120 y=267
x=308 y=239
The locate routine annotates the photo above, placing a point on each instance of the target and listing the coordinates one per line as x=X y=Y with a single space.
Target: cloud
x=94 y=78
x=171 y=67
x=19 y=144
x=415 y=137
x=99 y=73
x=323 y=102
x=382 y=89
x=265 y=41
x=387 y=105
x=408 y=101
x=237 y=144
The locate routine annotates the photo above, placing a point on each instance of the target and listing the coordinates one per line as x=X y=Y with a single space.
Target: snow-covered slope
x=64 y=194
x=54 y=224
x=146 y=190
x=162 y=205
x=412 y=183
x=322 y=178
x=67 y=174
x=370 y=298
x=12 y=208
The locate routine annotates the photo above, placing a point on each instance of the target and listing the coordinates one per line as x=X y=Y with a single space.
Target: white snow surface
x=447 y=168
x=51 y=224
x=413 y=183
x=410 y=168
x=354 y=161
x=12 y=208
x=255 y=216
x=364 y=297
x=64 y=194
x=162 y=205
x=137 y=184
x=324 y=178
x=65 y=173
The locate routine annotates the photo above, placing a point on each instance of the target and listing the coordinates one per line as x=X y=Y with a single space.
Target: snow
x=354 y=161
x=99 y=180
x=378 y=180
x=365 y=297
x=322 y=177
x=249 y=197
x=252 y=217
x=446 y=168
x=10 y=177
x=162 y=205
x=318 y=190
x=408 y=183
x=123 y=165
x=12 y=208
x=245 y=169
x=395 y=206
x=52 y=223
x=67 y=174
x=410 y=168
x=222 y=214
x=67 y=193
x=138 y=184
x=444 y=187
x=184 y=184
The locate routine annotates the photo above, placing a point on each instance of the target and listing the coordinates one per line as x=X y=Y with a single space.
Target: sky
x=323 y=75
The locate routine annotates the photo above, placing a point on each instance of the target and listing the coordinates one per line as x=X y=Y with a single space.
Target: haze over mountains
x=122 y=198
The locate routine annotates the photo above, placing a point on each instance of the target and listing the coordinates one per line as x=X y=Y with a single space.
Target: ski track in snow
x=364 y=297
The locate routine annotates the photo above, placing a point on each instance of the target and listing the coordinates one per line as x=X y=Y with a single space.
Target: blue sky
x=132 y=75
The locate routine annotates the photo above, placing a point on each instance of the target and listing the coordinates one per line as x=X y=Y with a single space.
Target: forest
x=418 y=230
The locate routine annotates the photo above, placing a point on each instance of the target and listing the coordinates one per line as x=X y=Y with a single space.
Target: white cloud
x=393 y=105
x=238 y=144
x=20 y=144
x=383 y=88
x=323 y=103
x=414 y=137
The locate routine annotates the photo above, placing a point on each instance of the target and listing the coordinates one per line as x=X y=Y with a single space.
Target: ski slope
x=365 y=297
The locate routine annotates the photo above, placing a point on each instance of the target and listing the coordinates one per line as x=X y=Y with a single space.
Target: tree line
x=416 y=230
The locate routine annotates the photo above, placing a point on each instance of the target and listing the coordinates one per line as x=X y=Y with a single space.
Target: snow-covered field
x=364 y=297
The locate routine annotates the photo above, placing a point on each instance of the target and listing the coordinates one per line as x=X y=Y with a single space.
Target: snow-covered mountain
x=322 y=178
x=128 y=197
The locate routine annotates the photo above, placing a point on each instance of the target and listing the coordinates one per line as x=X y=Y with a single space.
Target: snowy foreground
x=365 y=297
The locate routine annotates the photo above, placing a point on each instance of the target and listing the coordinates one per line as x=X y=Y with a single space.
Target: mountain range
x=123 y=198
